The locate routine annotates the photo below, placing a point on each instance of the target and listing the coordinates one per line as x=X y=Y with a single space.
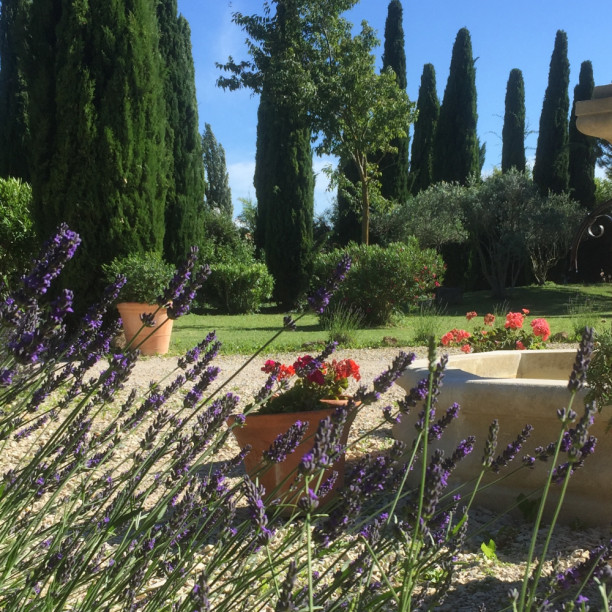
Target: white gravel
x=479 y=581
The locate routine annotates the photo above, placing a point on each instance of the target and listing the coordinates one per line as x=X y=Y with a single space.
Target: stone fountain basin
x=517 y=388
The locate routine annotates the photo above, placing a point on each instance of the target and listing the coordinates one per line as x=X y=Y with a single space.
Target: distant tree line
x=98 y=113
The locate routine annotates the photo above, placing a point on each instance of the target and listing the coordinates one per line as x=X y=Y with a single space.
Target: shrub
x=147 y=276
x=238 y=287
x=222 y=241
x=384 y=280
x=17 y=237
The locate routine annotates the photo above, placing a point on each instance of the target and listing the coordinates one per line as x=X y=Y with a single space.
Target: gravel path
x=479 y=581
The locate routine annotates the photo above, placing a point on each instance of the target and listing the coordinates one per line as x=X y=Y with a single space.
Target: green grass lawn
x=568 y=308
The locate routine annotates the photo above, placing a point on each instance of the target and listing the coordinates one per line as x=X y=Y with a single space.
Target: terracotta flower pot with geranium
x=513 y=335
x=282 y=429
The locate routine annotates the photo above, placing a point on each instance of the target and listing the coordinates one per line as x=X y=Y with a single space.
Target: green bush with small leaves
x=147 y=276
x=238 y=287
x=383 y=281
x=17 y=238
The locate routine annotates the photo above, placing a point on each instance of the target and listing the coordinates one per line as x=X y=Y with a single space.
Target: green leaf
x=488 y=550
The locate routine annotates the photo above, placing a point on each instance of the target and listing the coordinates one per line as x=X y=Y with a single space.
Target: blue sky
x=505 y=35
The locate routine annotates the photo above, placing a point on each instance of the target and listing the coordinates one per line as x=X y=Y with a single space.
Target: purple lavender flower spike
x=147 y=319
x=181 y=276
x=55 y=254
x=326 y=447
x=6 y=377
x=435 y=483
x=437 y=429
x=286 y=443
x=329 y=349
x=491 y=444
x=415 y=395
x=182 y=302
x=320 y=299
x=583 y=359
x=309 y=503
x=511 y=450
x=61 y=306
x=257 y=511
x=192 y=355
x=398 y=367
x=285 y=601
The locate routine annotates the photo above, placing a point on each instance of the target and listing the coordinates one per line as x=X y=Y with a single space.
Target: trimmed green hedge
x=383 y=280
x=237 y=288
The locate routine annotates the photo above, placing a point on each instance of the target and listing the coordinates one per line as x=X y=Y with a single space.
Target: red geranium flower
x=541 y=328
x=514 y=320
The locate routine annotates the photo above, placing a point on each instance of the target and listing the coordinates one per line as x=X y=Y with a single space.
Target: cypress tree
x=218 y=192
x=456 y=147
x=284 y=180
x=99 y=119
x=185 y=195
x=582 y=148
x=263 y=179
x=428 y=108
x=550 y=170
x=513 y=132
x=347 y=221
x=290 y=207
x=14 y=129
x=394 y=167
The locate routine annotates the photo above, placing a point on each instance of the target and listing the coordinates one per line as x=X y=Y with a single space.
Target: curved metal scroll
x=591 y=227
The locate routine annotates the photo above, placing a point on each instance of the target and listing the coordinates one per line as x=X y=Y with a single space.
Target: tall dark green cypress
x=290 y=208
x=185 y=195
x=284 y=179
x=218 y=192
x=456 y=146
x=550 y=170
x=347 y=222
x=98 y=112
x=513 y=132
x=428 y=109
x=394 y=167
x=263 y=179
x=14 y=125
x=582 y=148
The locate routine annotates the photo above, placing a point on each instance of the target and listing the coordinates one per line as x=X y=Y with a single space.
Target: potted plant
x=319 y=387
x=143 y=317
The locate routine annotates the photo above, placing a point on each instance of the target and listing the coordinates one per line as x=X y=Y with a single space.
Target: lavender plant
x=118 y=501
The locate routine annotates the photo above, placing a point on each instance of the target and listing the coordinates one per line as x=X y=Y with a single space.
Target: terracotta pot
x=260 y=431
x=159 y=342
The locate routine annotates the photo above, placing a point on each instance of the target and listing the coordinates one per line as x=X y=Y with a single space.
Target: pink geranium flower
x=541 y=328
